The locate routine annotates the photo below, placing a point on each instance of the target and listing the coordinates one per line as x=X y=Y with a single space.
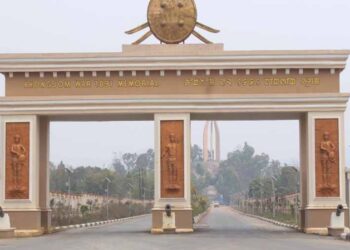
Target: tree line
x=243 y=172
x=131 y=176
x=246 y=173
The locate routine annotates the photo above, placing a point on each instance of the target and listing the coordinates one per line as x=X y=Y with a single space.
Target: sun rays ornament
x=172 y=22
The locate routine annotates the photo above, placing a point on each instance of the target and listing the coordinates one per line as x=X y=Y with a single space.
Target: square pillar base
x=318 y=221
x=183 y=221
x=30 y=223
x=336 y=232
x=7 y=233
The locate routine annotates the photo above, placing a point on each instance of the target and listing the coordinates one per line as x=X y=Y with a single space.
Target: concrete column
x=29 y=215
x=44 y=172
x=317 y=207
x=177 y=194
x=304 y=151
x=348 y=192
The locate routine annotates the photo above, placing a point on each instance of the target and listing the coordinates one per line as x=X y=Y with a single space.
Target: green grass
x=285 y=218
x=281 y=217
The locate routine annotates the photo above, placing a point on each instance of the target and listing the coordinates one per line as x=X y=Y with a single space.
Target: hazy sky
x=99 y=25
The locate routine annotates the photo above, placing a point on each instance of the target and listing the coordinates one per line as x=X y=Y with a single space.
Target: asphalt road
x=221 y=229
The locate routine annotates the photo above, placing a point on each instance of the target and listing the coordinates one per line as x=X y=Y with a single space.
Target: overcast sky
x=37 y=26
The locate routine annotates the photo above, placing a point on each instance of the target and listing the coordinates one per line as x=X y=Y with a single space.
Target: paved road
x=221 y=229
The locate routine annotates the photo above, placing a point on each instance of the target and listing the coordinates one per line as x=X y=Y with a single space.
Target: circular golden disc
x=172 y=21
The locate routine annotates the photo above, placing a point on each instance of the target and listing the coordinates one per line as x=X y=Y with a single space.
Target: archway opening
x=246 y=166
x=100 y=171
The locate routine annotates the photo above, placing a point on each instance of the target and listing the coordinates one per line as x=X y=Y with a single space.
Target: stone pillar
x=44 y=172
x=322 y=157
x=348 y=192
x=172 y=174
x=24 y=175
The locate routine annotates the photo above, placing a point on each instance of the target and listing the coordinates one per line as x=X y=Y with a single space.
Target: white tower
x=211 y=146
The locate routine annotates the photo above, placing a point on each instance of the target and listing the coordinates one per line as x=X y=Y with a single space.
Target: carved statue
x=328 y=158
x=18 y=157
x=170 y=156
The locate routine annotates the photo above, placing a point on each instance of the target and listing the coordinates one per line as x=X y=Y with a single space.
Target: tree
x=288 y=181
x=260 y=188
x=227 y=182
x=93 y=179
x=129 y=160
x=239 y=170
x=58 y=178
x=201 y=178
x=196 y=153
x=118 y=166
x=83 y=210
x=285 y=180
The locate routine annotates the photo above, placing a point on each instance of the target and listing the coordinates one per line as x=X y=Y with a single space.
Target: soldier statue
x=328 y=158
x=170 y=155
x=18 y=156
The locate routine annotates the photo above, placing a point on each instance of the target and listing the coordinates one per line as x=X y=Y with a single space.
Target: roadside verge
x=94 y=224
x=278 y=223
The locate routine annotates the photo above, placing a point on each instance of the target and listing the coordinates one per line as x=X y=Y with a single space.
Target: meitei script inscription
x=187 y=82
x=251 y=82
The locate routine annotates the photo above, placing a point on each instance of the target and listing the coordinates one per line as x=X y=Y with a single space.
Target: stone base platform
x=30 y=223
x=7 y=233
x=336 y=232
x=183 y=221
x=30 y=233
x=317 y=221
x=172 y=231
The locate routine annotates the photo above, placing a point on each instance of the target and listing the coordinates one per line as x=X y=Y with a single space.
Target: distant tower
x=211 y=146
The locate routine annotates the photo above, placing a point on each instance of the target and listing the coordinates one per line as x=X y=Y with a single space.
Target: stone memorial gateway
x=171 y=84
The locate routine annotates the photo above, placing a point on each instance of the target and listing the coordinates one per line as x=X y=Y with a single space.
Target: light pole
x=107 y=192
x=69 y=196
x=261 y=191
x=144 y=197
x=273 y=179
x=130 y=197
x=261 y=196
x=296 y=206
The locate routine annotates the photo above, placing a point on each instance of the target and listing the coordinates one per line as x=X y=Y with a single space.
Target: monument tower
x=211 y=146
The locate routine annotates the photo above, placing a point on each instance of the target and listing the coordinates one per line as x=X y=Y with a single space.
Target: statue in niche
x=170 y=156
x=328 y=159
x=18 y=157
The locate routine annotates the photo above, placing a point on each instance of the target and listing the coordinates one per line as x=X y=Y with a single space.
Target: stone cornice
x=112 y=105
x=184 y=57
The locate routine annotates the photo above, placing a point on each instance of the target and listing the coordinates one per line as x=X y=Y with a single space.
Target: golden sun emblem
x=172 y=22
